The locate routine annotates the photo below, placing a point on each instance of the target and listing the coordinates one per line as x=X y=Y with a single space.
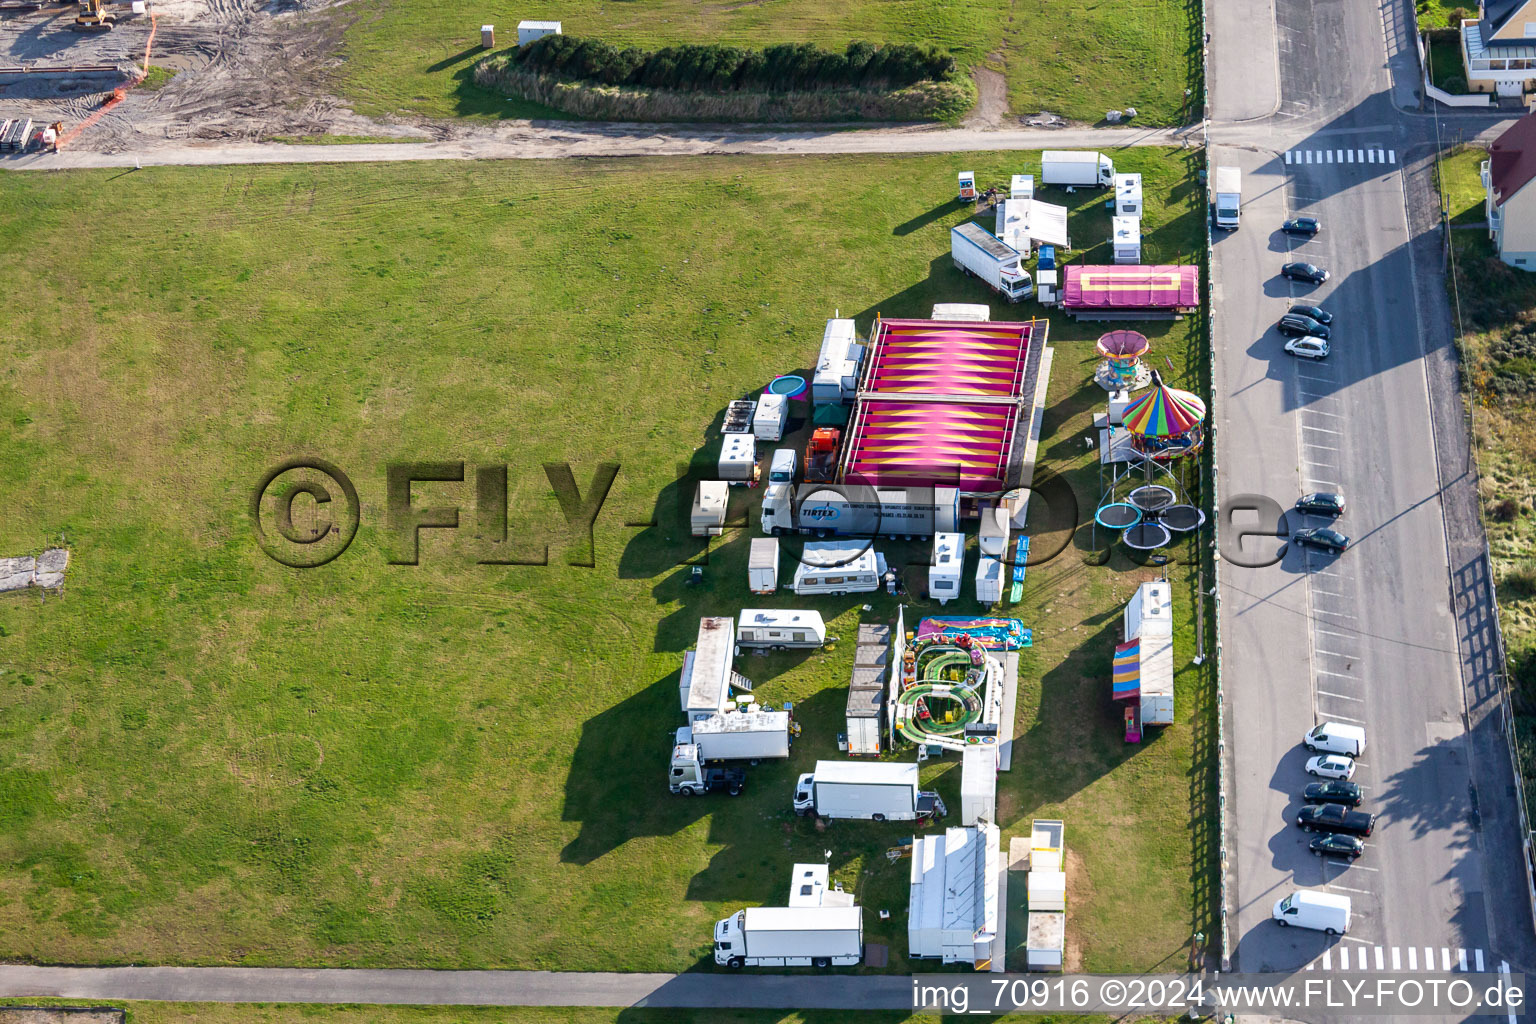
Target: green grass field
x=208 y=757
x=1077 y=60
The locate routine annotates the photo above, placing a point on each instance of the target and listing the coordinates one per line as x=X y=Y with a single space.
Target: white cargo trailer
x=738 y=457
x=822 y=936
x=763 y=565
x=865 y=715
x=872 y=790
x=974 y=312
x=990 y=574
x=947 y=565
x=739 y=736
x=836 y=379
x=1078 y=168
x=1227 y=197
x=1021 y=186
x=978 y=783
x=838 y=567
x=768 y=421
x=1128 y=195
x=979 y=253
x=780 y=628
x=709 y=501
x=1125 y=239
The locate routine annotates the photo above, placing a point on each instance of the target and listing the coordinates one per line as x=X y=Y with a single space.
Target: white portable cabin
x=990 y=574
x=1128 y=195
x=528 y=31
x=1119 y=401
x=836 y=379
x=738 y=457
x=763 y=565
x=1047 y=940
x=1013 y=225
x=1047 y=889
x=974 y=312
x=978 y=784
x=947 y=565
x=780 y=627
x=704 y=686
x=954 y=913
x=1126 y=239
x=809 y=886
x=768 y=421
x=709 y=501
x=1150 y=611
x=1021 y=186
x=838 y=567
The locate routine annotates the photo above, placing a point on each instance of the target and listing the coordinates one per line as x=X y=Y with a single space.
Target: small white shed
x=947 y=565
x=1128 y=195
x=528 y=31
x=1126 y=239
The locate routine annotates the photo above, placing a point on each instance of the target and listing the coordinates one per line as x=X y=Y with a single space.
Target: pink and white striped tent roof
x=939 y=403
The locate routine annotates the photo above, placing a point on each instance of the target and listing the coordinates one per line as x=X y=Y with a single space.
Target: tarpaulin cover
x=1127 y=287
x=993 y=634
x=1126 y=681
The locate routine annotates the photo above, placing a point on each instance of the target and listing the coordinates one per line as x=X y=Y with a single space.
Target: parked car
x=1308 y=348
x=1331 y=766
x=1335 y=818
x=1296 y=325
x=1309 y=272
x=1302 y=226
x=1336 y=791
x=1328 y=540
x=1317 y=313
x=1337 y=845
x=1321 y=504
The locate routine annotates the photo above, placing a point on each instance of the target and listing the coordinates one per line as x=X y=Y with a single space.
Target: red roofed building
x=1511 y=200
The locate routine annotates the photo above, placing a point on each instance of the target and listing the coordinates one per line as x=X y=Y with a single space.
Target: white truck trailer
x=819 y=936
x=981 y=254
x=859 y=510
x=1077 y=168
x=872 y=790
x=763 y=565
x=1227 y=197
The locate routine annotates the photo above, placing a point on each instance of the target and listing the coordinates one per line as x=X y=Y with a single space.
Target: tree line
x=714 y=67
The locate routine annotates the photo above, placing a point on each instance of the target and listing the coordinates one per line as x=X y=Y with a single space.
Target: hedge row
x=798 y=67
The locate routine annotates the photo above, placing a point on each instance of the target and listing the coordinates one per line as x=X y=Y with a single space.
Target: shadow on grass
x=474 y=100
x=922 y=220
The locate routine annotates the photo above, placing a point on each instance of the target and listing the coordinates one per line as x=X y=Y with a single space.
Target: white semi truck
x=858 y=510
x=1227 y=197
x=821 y=927
x=872 y=790
x=979 y=253
x=1077 y=168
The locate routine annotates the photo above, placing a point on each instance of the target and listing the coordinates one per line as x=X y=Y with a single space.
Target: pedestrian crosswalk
x=1302 y=157
x=1345 y=957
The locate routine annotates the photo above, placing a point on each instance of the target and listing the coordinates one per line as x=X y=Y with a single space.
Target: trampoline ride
x=944 y=679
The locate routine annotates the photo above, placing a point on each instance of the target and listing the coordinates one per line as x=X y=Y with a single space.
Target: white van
x=781 y=470
x=1320 y=911
x=838 y=567
x=1336 y=738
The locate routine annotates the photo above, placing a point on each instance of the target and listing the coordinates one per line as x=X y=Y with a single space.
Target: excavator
x=94 y=17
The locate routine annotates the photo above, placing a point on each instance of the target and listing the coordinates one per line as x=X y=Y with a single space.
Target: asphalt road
x=1368 y=637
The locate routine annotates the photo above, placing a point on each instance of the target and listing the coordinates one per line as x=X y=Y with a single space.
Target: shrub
x=784 y=67
x=1519 y=582
x=1504 y=510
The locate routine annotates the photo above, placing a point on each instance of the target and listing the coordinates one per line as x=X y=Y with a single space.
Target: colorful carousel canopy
x=1123 y=345
x=1164 y=412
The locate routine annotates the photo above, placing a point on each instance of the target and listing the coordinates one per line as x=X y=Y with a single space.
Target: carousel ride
x=1122 y=368
x=1141 y=500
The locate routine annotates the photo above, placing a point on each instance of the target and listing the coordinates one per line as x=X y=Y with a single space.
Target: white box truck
x=1078 y=168
x=981 y=254
x=872 y=790
x=780 y=628
x=1227 y=197
x=768 y=420
x=763 y=565
x=822 y=936
x=859 y=510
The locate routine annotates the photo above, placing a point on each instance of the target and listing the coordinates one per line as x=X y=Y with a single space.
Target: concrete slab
x=1010 y=709
x=17 y=573
x=50 y=568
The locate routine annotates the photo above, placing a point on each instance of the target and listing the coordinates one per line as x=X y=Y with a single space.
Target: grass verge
x=1495 y=305
x=415 y=56
x=212 y=758
x=1446 y=70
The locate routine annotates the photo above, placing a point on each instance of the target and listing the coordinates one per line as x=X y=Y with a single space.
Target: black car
x=1317 y=313
x=1337 y=846
x=1335 y=818
x=1302 y=226
x=1296 y=325
x=1334 y=791
x=1328 y=540
x=1309 y=272
x=1321 y=504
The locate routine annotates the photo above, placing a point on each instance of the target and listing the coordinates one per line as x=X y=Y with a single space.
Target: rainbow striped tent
x=1164 y=412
